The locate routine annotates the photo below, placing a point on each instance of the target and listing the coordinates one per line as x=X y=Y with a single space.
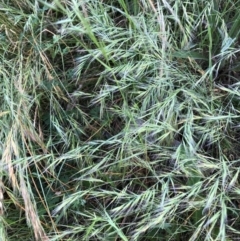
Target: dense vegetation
x=119 y=120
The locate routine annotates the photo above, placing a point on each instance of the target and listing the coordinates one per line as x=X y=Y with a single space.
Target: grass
x=119 y=120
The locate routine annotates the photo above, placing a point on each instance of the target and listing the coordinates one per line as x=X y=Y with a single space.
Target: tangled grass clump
x=119 y=120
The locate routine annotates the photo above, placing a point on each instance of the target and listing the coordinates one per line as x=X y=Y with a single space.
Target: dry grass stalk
x=31 y=213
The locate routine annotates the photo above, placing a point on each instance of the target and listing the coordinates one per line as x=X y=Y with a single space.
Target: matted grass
x=119 y=120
